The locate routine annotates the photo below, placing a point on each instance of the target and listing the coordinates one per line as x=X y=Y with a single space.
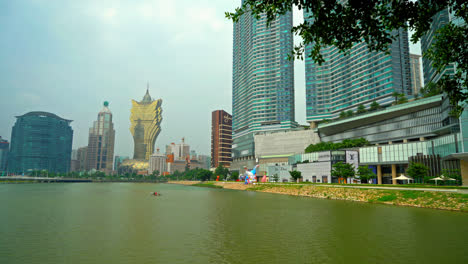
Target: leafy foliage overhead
x=344 y=23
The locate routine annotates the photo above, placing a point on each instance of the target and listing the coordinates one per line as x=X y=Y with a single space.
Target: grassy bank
x=414 y=198
x=414 y=185
x=15 y=182
x=436 y=200
x=207 y=185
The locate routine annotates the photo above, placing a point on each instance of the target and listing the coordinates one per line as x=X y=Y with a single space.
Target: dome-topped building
x=40 y=141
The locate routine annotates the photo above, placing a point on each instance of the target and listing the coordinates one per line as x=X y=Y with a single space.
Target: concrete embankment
x=415 y=198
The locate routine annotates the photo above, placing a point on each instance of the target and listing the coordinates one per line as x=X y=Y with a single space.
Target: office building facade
x=344 y=81
x=40 y=141
x=415 y=66
x=118 y=160
x=221 y=139
x=74 y=163
x=4 y=149
x=262 y=80
x=412 y=121
x=101 y=142
x=157 y=162
x=420 y=130
x=82 y=154
x=179 y=151
x=272 y=144
x=319 y=166
x=205 y=161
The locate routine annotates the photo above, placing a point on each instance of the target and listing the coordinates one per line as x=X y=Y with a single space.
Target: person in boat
x=155 y=194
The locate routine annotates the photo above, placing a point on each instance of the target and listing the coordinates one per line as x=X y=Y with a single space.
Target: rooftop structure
x=423 y=118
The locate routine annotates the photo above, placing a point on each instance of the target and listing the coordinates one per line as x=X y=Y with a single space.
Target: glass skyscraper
x=262 y=79
x=438 y=21
x=40 y=141
x=4 y=149
x=343 y=82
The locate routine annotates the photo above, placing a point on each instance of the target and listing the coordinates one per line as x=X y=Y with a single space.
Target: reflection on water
x=122 y=223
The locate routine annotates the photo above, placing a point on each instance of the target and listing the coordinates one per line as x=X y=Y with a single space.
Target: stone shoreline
x=413 y=198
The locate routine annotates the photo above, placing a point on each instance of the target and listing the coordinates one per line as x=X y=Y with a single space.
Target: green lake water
x=122 y=223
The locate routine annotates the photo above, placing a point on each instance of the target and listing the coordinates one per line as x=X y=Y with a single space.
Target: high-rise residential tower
x=82 y=154
x=74 y=162
x=415 y=66
x=40 y=141
x=438 y=21
x=145 y=118
x=101 y=140
x=221 y=139
x=431 y=74
x=262 y=79
x=343 y=82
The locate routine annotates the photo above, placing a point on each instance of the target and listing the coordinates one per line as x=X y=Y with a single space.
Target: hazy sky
x=69 y=56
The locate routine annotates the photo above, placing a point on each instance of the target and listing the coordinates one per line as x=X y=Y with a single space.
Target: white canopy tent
x=437 y=179
x=445 y=178
x=403 y=177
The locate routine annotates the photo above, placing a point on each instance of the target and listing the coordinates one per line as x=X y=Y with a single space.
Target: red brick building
x=221 y=138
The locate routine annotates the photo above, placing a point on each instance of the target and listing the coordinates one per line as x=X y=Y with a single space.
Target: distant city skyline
x=67 y=57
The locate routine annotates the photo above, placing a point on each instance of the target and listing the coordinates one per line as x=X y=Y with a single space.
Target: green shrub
x=347 y=143
x=410 y=194
x=387 y=198
x=208 y=185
